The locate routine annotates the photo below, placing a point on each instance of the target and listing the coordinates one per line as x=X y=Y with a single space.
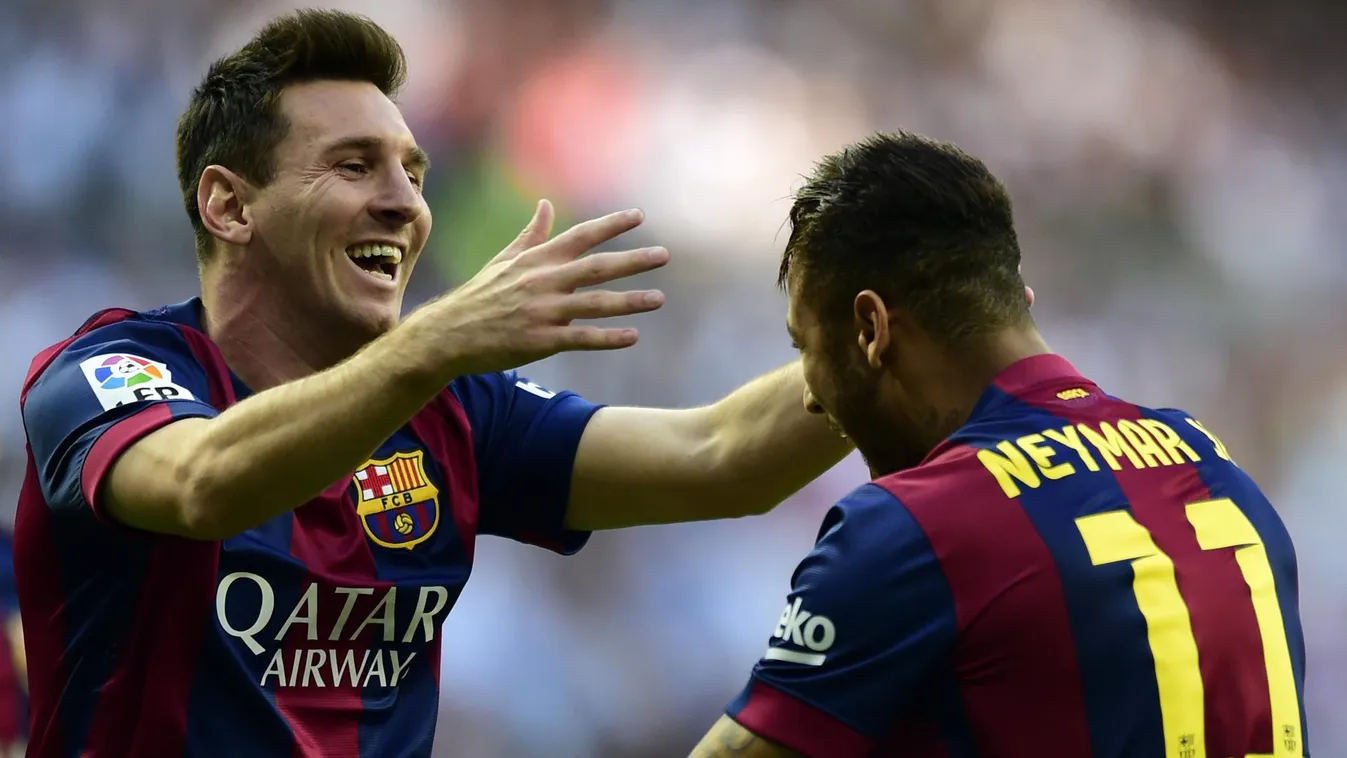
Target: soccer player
x=1038 y=567
x=247 y=515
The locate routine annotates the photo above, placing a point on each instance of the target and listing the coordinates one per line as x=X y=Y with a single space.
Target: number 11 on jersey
x=1115 y=536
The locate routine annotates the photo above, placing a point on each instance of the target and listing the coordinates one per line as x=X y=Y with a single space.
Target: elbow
x=202 y=513
x=204 y=509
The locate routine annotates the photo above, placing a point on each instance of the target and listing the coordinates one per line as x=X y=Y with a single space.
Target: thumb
x=536 y=232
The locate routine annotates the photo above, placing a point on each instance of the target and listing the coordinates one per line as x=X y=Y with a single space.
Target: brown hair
x=234 y=118
x=920 y=222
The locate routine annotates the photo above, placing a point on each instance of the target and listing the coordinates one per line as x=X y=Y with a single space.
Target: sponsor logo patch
x=121 y=378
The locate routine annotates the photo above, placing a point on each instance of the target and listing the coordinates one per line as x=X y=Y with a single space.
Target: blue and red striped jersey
x=313 y=634
x=1068 y=574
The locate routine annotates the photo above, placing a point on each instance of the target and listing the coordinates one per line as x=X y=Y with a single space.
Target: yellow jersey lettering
x=1042 y=457
x=1170 y=441
x=1143 y=443
x=1110 y=445
x=1216 y=443
x=1009 y=467
x=1067 y=436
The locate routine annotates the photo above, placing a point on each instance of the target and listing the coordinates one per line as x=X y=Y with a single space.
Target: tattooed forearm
x=729 y=740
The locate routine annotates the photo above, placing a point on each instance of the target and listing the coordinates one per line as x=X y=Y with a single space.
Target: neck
x=956 y=390
x=263 y=339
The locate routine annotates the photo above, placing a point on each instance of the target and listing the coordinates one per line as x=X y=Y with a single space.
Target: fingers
x=576 y=338
x=593 y=304
x=600 y=268
x=535 y=233
x=587 y=235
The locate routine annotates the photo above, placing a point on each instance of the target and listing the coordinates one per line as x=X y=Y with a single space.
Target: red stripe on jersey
x=325 y=714
x=1225 y=627
x=460 y=482
x=168 y=629
x=44 y=632
x=812 y=731
x=1016 y=655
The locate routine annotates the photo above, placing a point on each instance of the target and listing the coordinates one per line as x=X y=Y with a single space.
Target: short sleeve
x=525 y=438
x=868 y=619
x=105 y=391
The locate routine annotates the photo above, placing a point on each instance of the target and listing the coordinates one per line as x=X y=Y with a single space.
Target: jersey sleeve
x=105 y=391
x=868 y=618
x=525 y=438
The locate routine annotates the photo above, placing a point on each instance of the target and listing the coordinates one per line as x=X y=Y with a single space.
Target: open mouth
x=378 y=260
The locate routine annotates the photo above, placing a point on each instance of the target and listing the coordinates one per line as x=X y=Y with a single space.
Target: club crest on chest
x=396 y=501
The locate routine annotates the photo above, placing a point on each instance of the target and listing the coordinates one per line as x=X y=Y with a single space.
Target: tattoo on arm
x=729 y=740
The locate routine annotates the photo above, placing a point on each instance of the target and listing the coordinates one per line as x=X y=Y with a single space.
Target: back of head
x=234 y=117
x=921 y=223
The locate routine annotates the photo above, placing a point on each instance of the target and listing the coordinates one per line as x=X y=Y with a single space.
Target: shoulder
x=868 y=530
x=117 y=354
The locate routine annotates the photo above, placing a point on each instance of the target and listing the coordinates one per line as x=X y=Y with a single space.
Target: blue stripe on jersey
x=400 y=722
x=944 y=699
x=216 y=705
x=94 y=621
x=1232 y=482
x=1111 y=641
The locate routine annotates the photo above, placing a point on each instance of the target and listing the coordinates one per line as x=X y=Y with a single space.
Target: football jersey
x=1068 y=575
x=315 y=633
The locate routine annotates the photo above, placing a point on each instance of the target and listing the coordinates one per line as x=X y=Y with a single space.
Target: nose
x=810 y=404
x=399 y=203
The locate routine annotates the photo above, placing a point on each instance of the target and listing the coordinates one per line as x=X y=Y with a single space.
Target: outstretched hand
x=521 y=307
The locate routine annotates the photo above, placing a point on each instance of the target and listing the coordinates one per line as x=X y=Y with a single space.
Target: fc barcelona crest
x=396 y=500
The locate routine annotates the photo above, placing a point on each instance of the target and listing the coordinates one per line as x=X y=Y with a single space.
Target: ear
x=872 y=322
x=221 y=198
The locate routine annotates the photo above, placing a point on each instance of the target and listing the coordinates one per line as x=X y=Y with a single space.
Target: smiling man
x=247 y=515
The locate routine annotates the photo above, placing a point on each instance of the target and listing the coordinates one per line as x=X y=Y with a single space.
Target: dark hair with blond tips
x=234 y=118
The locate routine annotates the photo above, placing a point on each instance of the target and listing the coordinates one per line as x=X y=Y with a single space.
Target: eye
x=417 y=180
x=354 y=167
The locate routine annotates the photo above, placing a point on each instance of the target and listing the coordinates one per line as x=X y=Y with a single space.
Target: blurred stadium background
x=1180 y=175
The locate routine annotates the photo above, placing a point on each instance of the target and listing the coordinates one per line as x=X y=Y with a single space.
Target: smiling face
x=343 y=222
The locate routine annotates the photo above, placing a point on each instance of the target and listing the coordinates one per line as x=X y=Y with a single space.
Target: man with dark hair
x=1037 y=567
x=247 y=515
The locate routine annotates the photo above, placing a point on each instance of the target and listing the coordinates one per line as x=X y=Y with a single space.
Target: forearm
x=739 y=457
x=766 y=445
x=270 y=453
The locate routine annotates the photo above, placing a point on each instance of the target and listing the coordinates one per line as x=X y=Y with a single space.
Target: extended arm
x=738 y=457
x=211 y=478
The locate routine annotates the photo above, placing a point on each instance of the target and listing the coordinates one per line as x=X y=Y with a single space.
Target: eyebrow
x=415 y=156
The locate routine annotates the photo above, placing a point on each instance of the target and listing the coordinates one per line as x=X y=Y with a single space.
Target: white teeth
x=392 y=253
x=380 y=275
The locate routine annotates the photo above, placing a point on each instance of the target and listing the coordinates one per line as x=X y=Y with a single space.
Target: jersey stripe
x=1234 y=712
x=44 y=623
x=325 y=719
x=1122 y=709
x=1237 y=709
x=170 y=618
x=817 y=732
x=1000 y=560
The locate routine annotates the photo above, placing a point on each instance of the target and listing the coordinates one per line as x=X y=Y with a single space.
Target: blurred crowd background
x=1180 y=177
